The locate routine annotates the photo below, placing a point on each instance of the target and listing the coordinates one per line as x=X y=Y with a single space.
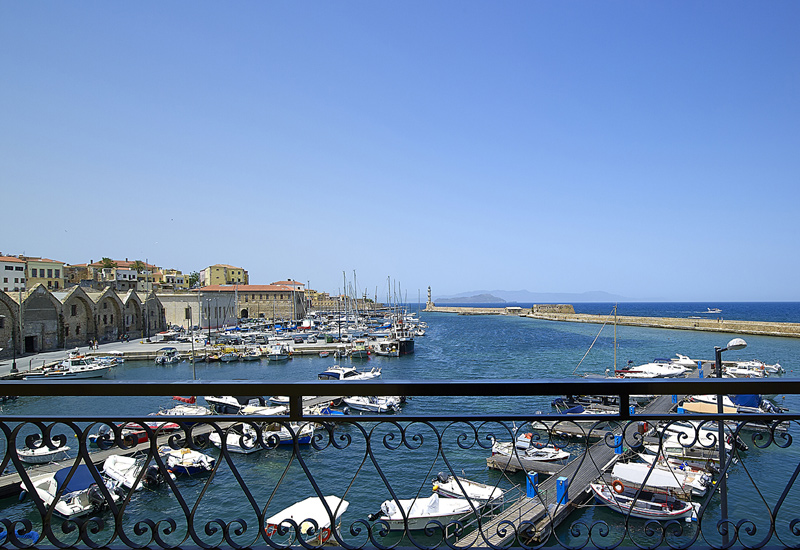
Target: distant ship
x=713 y=310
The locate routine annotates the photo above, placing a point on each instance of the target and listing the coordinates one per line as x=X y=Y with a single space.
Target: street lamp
x=13 y=346
x=733 y=345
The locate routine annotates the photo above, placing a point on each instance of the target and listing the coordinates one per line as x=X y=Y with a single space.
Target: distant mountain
x=524 y=296
x=479 y=299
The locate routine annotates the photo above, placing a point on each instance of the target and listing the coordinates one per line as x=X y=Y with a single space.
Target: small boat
x=460 y=487
x=713 y=310
x=167 y=356
x=539 y=453
x=421 y=512
x=377 y=404
x=386 y=348
x=42 y=454
x=337 y=372
x=186 y=461
x=80 y=495
x=185 y=410
x=278 y=353
x=229 y=356
x=659 y=368
x=277 y=433
x=126 y=469
x=324 y=354
x=228 y=404
x=75 y=367
x=679 y=479
x=359 y=350
x=648 y=505
x=305 y=515
x=240 y=438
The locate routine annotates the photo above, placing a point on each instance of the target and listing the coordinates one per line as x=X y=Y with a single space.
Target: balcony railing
x=367 y=481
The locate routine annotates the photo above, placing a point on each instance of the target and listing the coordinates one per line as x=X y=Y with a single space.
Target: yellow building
x=222 y=274
x=50 y=273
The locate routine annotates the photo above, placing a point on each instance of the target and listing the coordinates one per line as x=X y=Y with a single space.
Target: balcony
x=369 y=465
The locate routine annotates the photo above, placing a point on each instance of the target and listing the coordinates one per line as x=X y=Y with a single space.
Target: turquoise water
x=454 y=348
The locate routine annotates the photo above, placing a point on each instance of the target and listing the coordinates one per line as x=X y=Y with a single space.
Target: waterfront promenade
x=714 y=324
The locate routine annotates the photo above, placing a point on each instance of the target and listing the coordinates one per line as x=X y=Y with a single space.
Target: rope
x=593 y=342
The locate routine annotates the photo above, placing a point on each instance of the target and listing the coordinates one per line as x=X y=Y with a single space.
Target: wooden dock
x=544 y=511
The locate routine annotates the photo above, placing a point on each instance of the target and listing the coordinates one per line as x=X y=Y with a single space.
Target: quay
x=566 y=313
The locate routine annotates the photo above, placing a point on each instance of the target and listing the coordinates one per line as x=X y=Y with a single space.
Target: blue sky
x=645 y=149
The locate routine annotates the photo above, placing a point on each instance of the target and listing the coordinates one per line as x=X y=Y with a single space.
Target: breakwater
x=566 y=313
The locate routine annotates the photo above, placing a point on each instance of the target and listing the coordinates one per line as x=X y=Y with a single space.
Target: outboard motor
x=441 y=478
x=96 y=497
x=153 y=477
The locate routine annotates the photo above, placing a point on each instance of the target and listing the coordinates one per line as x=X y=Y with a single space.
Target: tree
x=139 y=266
x=193 y=279
x=108 y=263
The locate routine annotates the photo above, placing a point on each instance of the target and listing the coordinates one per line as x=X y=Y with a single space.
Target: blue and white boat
x=186 y=461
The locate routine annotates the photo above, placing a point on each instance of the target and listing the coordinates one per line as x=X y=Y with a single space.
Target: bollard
x=617 y=444
x=562 y=490
x=701 y=372
x=632 y=410
x=532 y=489
x=681 y=410
x=674 y=399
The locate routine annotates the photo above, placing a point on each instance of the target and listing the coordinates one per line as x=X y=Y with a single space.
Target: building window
x=9 y=268
x=5 y=280
x=66 y=330
x=49 y=273
x=49 y=284
x=16 y=279
x=20 y=268
x=56 y=285
x=2 y=322
x=112 y=318
x=74 y=310
x=78 y=329
x=105 y=319
x=33 y=272
x=58 y=273
x=105 y=305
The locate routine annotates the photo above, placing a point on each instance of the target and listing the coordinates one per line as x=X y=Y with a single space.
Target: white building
x=12 y=274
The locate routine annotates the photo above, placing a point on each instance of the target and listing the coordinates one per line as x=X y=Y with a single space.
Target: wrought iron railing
x=359 y=471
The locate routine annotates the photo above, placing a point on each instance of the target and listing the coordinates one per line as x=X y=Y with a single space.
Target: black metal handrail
x=366 y=440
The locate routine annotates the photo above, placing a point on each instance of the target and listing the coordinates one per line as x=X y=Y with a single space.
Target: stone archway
x=109 y=317
x=9 y=338
x=77 y=318
x=41 y=315
x=244 y=314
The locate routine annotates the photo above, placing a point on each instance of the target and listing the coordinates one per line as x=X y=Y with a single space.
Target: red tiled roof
x=291 y=283
x=10 y=259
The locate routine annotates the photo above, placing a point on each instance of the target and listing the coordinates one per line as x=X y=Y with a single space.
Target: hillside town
x=47 y=304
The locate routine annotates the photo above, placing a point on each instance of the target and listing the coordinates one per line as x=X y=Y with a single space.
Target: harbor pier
x=566 y=313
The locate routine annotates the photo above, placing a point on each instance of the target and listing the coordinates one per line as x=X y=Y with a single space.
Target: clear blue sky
x=647 y=149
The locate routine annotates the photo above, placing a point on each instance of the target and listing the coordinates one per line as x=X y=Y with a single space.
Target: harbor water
x=454 y=348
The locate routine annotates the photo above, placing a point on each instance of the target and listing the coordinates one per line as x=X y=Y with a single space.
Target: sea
x=369 y=464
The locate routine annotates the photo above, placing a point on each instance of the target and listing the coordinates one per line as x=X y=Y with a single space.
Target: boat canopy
x=636 y=473
x=746 y=400
x=81 y=479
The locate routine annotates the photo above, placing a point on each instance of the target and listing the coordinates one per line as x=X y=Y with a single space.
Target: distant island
x=479 y=299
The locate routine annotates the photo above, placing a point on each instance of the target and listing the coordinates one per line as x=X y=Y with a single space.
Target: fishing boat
x=251 y=354
x=186 y=461
x=386 y=347
x=376 y=404
x=42 y=454
x=337 y=372
x=645 y=504
x=691 y=480
x=310 y=517
x=459 y=487
x=125 y=471
x=421 y=512
x=359 y=350
x=537 y=452
x=240 y=438
x=80 y=494
x=278 y=353
x=167 y=356
x=324 y=354
x=229 y=356
x=74 y=367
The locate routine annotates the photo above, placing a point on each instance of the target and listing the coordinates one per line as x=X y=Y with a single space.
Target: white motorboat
x=75 y=367
x=678 y=483
x=278 y=353
x=338 y=372
x=760 y=366
x=311 y=518
x=386 y=347
x=187 y=409
x=43 y=454
x=229 y=404
x=186 y=461
x=251 y=354
x=697 y=480
x=656 y=369
x=460 y=487
x=80 y=495
x=648 y=505
x=376 y=404
x=684 y=361
x=167 y=356
x=240 y=438
x=125 y=469
x=540 y=453
x=421 y=511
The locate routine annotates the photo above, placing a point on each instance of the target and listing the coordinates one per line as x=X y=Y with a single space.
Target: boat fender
x=23 y=495
x=271 y=529
x=618 y=487
x=325 y=535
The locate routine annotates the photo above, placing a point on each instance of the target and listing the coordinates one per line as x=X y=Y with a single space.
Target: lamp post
x=13 y=346
x=735 y=344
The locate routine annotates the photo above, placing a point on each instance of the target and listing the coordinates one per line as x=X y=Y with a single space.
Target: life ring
x=618 y=487
x=271 y=529
x=325 y=535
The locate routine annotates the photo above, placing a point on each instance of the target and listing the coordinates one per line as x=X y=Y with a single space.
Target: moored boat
x=307 y=514
x=459 y=487
x=421 y=512
x=645 y=504
x=186 y=461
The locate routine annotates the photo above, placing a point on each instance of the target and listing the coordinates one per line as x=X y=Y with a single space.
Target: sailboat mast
x=615 y=337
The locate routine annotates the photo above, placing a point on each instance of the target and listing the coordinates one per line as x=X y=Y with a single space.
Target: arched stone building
x=75 y=317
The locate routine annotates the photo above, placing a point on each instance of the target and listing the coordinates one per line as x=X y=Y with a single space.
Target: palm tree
x=108 y=263
x=139 y=266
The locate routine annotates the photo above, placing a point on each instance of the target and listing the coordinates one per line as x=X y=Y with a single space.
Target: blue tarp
x=746 y=400
x=577 y=409
x=81 y=479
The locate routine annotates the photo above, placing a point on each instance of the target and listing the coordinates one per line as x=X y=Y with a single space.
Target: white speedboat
x=460 y=487
x=43 y=454
x=696 y=479
x=186 y=461
x=167 y=356
x=80 y=495
x=240 y=438
x=125 y=470
x=278 y=353
x=421 y=511
x=656 y=369
x=229 y=404
x=305 y=514
x=338 y=372
x=648 y=505
x=540 y=453
x=376 y=404
x=681 y=484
